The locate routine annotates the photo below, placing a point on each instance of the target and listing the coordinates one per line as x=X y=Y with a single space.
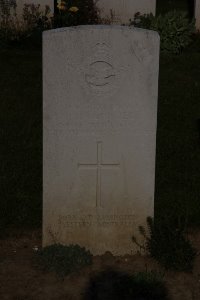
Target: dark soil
x=22 y=278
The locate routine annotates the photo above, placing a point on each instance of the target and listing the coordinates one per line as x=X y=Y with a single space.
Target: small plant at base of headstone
x=64 y=259
x=167 y=245
x=174 y=27
x=115 y=285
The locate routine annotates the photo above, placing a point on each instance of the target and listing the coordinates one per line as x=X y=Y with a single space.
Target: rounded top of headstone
x=79 y=28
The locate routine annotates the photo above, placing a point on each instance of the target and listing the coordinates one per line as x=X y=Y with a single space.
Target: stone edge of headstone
x=98 y=27
x=197 y=15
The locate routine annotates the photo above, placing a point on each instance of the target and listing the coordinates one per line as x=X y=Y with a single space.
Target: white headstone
x=197 y=14
x=124 y=10
x=100 y=110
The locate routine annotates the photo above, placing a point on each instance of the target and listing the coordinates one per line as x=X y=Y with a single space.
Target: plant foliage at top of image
x=64 y=259
x=35 y=18
x=7 y=6
x=115 y=285
x=175 y=29
x=17 y=28
x=169 y=246
x=75 y=12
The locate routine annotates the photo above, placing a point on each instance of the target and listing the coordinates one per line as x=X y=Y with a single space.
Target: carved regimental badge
x=99 y=74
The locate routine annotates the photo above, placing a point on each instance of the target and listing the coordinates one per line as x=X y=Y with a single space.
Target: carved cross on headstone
x=98 y=166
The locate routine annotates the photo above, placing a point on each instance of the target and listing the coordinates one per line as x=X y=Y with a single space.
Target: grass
x=178 y=139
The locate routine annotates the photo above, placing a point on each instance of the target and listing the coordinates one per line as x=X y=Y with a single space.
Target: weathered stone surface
x=197 y=14
x=100 y=110
x=123 y=10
